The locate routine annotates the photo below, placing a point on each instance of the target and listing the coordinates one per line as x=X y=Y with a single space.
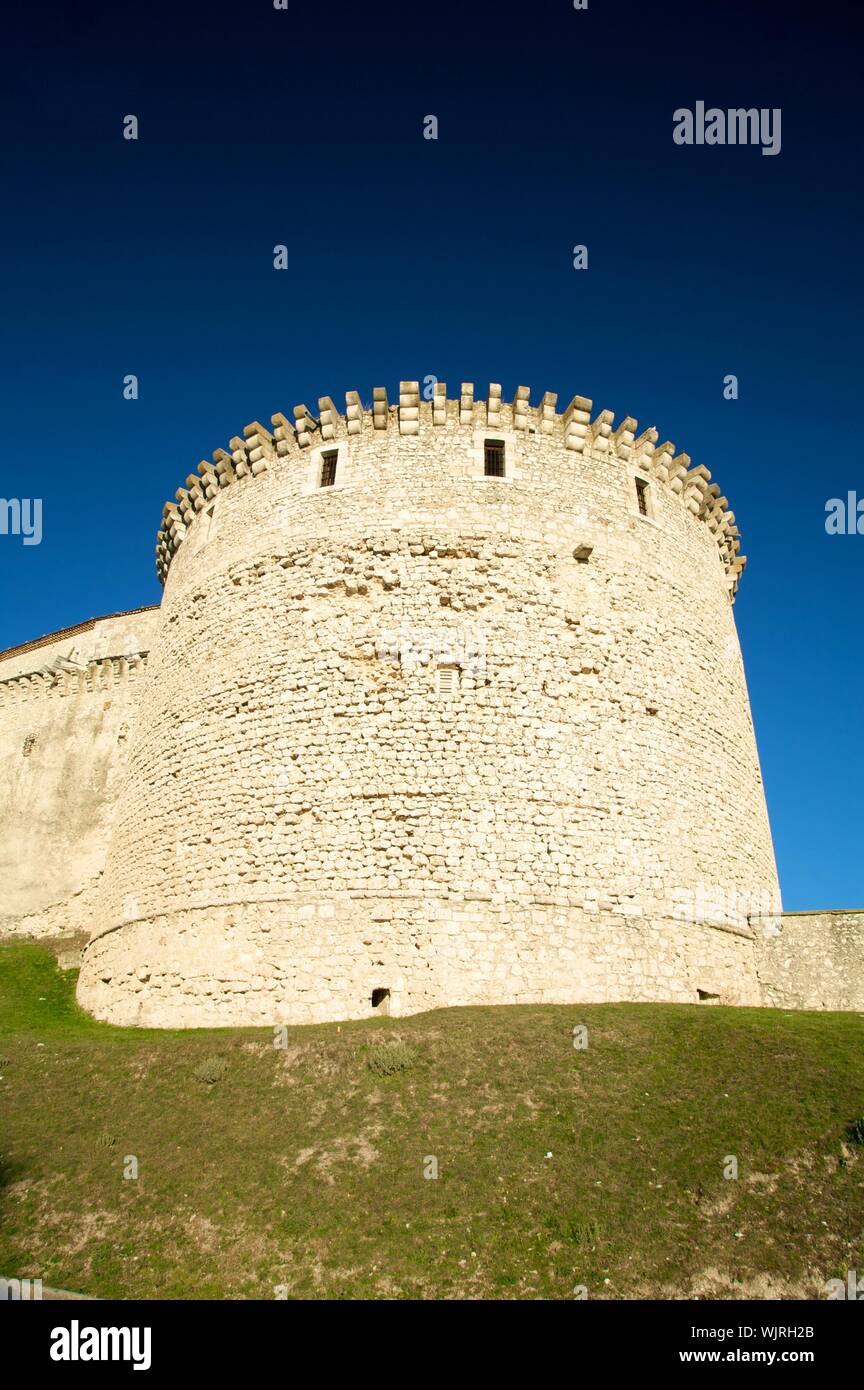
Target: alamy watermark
x=21 y=516
x=734 y=127
x=418 y=646
x=845 y=516
x=77 y=1343
x=851 y=1288
x=719 y=905
x=20 y=1290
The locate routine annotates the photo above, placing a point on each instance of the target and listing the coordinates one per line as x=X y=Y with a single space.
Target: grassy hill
x=303 y=1167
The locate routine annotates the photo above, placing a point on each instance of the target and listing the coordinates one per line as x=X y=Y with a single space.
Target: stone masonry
x=68 y=705
x=444 y=704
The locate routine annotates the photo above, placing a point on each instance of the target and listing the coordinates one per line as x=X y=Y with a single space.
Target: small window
x=493 y=458
x=642 y=496
x=448 y=680
x=381 y=1001
x=328 y=467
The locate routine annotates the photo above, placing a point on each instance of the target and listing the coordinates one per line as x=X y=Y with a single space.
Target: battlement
x=65 y=677
x=574 y=428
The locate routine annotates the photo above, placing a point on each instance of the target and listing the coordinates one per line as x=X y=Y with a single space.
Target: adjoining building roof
x=84 y=626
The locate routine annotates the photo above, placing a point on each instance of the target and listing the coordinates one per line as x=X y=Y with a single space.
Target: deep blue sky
x=410 y=257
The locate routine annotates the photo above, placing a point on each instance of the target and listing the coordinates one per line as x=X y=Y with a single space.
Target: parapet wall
x=574 y=431
x=812 y=960
x=68 y=705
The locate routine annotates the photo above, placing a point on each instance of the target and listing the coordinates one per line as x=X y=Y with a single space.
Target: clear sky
x=451 y=257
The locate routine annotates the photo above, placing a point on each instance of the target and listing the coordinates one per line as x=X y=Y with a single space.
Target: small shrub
x=210 y=1070
x=386 y=1059
x=583 y=1232
x=106 y=1141
x=855 y=1131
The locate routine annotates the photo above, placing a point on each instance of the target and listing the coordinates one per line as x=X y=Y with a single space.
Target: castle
x=443 y=704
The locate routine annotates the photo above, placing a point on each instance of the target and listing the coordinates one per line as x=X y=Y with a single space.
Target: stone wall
x=812 y=960
x=313 y=961
x=425 y=731
x=68 y=705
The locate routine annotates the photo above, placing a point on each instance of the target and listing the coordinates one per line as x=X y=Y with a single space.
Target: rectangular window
x=642 y=496
x=328 y=468
x=493 y=458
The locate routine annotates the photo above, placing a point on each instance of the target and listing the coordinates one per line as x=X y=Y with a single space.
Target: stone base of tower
x=267 y=963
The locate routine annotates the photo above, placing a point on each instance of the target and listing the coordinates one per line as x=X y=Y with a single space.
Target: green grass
x=304 y=1168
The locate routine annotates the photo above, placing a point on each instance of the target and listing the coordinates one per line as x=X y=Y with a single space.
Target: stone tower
x=445 y=705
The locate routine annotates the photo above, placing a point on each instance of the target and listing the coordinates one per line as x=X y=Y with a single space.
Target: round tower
x=445 y=706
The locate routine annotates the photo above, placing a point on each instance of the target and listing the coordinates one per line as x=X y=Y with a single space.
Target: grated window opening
x=493 y=458
x=328 y=468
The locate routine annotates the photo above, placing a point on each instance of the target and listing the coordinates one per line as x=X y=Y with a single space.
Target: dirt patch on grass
x=766 y=1182
x=54 y=1227
x=356 y=1150
x=713 y=1283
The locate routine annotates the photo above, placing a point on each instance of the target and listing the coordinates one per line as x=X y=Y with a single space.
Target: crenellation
x=239 y=456
x=546 y=412
x=576 y=420
x=305 y=425
x=676 y=469
x=330 y=418
x=284 y=436
x=599 y=432
x=694 y=491
x=623 y=438
x=409 y=407
x=521 y=408
x=353 y=412
x=260 y=444
x=380 y=409
x=644 y=449
x=194 y=492
x=661 y=461
x=261 y=449
x=223 y=466
x=62 y=677
x=209 y=479
x=493 y=407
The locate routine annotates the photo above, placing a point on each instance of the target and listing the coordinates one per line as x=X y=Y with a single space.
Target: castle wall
x=813 y=961
x=308 y=817
x=303 y=961
x=68 y=705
